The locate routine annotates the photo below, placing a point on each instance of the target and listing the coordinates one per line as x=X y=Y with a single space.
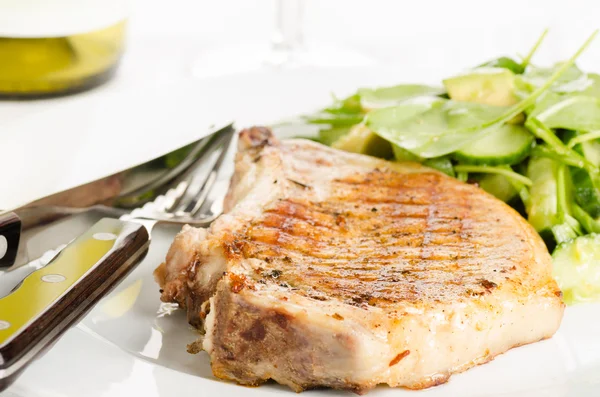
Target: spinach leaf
x=434 y=129
x=441 y=127
x=375 y=98
x=505 y=63
x=572 y=80
x=579 y=113
x=349 y=105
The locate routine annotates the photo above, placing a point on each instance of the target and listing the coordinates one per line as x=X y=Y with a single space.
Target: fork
x=43 y=305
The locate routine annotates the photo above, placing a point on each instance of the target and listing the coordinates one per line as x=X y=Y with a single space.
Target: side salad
x=529 y=135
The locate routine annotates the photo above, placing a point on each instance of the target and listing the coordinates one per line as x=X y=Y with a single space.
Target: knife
x=59 y=290
x=112 y=195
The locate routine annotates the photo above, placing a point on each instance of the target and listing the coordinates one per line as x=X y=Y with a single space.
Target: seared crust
x=347 y=271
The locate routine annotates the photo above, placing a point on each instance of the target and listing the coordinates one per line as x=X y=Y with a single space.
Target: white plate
x=131 y=344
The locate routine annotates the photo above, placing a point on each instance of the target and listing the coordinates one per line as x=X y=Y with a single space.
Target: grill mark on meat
x=324 y=252
x=304 y=211
x=306 y=232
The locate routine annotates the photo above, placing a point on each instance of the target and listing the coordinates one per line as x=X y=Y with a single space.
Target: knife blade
x=112 y=196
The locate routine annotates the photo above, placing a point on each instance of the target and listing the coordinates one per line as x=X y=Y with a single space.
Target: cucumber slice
x=508 y=144
x=498 y=186
x=577 y=268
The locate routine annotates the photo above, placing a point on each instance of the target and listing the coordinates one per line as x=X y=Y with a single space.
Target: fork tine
x=196 y=197
x=184 y=186
x=139 y=196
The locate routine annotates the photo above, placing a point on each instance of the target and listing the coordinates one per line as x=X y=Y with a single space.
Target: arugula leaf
x=584 y=191
x=335 y=120
x=554 y=144
x=527 y=58
x=582 y=138
x=511 y=64
x=484 y=169
x=567 y=231
x=590 y=224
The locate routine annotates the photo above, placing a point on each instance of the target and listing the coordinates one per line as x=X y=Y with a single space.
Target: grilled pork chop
x=341 y=270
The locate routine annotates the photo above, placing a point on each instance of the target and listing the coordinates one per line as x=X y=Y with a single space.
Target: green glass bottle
x=47 y=53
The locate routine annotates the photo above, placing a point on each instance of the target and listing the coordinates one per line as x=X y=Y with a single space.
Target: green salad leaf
x=348 y=105
x=579 y=113
x=444 y=127
x=434 y=128
x=505 y=63
x=528 y=134
x=375 y=98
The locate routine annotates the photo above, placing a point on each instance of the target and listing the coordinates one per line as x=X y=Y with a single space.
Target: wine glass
x=287 y=49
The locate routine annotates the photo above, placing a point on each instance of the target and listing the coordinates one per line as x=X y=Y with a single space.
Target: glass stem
x=287 y=37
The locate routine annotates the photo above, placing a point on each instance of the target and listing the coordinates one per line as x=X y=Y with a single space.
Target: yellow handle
x=45 y=286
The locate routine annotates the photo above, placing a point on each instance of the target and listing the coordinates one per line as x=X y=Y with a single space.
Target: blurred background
x=187 y=64
x=449 y=34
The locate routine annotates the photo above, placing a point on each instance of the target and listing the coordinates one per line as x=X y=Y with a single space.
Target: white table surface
x=54 y=144
x=155 y=104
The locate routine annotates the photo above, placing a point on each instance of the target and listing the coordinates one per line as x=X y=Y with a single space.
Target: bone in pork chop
x=341 y=270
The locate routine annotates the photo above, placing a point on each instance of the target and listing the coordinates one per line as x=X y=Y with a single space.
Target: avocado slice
x=487 y=85
x=362 y=140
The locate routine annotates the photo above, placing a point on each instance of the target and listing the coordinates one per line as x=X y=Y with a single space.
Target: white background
x=156 y=103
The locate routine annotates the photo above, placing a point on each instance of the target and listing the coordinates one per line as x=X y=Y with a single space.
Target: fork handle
x=10 y=234
x=51 y=299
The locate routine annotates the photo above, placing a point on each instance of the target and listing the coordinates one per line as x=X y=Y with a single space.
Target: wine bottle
x=59 y=47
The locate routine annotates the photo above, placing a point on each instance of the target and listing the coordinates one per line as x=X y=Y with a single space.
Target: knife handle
x=54 y=297
x=10 y=233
